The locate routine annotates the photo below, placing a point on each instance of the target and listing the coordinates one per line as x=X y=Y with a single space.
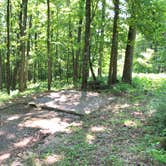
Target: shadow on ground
x=107 y=136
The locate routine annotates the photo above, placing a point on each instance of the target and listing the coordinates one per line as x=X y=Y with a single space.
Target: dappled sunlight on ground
x=4 y=157
x=130 y=123
x=74 y=101
x=121 y=106
x=24 y=142
x=51 y=125
x=90 y=138
x=13 y=117
x=97 y=128
x=105 y=137
x=52 y=159
x=24 y=130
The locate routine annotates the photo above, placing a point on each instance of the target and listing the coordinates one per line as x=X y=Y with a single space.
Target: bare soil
x=109 y=135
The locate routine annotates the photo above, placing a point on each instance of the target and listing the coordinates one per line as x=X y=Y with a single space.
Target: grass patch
x=76 y=154
x=159 y=155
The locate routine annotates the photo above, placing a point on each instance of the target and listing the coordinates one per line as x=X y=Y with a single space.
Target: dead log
x=43 y=106
x=62 y=110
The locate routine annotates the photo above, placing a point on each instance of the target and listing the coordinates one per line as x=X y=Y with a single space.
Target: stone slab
x=72 y=101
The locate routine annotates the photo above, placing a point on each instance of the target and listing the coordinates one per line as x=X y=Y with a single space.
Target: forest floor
x=113 y=134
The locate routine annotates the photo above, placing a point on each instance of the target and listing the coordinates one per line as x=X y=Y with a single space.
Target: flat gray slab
x=72 y=101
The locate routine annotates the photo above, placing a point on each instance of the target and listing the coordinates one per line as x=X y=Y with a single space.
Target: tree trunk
x=112 y=78
x=85 y=66
x=28 y=49
x=15 y=75
x=101 y=48
x=72 y=52
x=15 y=72
x=23 y=22
x=127 y=70
x=8 y=49
x=34 y=72
x=68 y=50
x=77 y=63
x=67 y=70
x=48 y=47
x=79 y=36
x=0 y=71
x=91 y=69
x=58 y=57
x=35 y=61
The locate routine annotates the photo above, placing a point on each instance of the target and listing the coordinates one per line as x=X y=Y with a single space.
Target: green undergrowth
x=33 y=88
x=151 y=89
x=153 y=86
x=142 y=85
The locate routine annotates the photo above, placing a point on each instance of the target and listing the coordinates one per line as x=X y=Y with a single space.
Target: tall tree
x=85 y=66
x=28 y=48
x=57 y=46
x=15 y=73
x=112 y=77
x=0 y=71
x=77 y=65
x=70 y=52
x=93 y=14
x=127 y=70
x=8 y=48
x=23 y=23
x=48 y=47
x=128 y=63
x=101 y=48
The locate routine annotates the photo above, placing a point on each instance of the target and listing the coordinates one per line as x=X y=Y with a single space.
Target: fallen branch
x=42 y=106
x=61 y=110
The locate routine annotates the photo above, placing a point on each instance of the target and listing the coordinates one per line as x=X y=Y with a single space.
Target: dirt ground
x=107 y=136
x=23 y=126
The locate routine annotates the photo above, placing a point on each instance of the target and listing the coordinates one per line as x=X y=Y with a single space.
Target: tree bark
x=28 y=49
x=48 y=47
x=23 y=22
x=91 y=69
x=112 y=78
x=57 y=48
x=127 y=70
x=35 y=61
x=78 y=65
x=68 y=49
x=8 y=49
x=85 y=66
x=101 y=48
x=0 y=71
x=15 y=75
x=15 y=72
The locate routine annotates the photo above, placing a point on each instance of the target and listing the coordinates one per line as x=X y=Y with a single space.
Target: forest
x=83 y=82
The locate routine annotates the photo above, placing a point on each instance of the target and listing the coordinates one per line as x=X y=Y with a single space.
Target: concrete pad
x=72 y=101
